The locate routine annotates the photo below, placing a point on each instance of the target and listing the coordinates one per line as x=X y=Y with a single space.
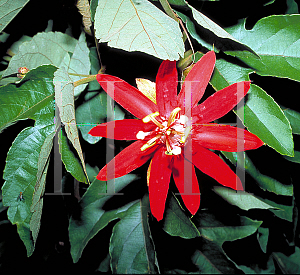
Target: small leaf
x=147 y=87
x=137 y=25
x=64 y=99
x=9 y=9
x=131 y=246
x=176 y=222
x=240 y=199
x=263 y=237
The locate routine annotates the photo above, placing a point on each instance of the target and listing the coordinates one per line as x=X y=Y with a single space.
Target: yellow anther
x=150 y=117
x=173 y=115
x=185 y=135
x=146 y=146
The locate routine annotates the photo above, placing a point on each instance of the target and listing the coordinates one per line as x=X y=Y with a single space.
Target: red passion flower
x=175 y=132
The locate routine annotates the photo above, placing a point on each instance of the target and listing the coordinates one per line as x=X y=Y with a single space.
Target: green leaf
x=8 y=10
x=53 y=48
x=263 y=237
x=288 y=264
x=71 y=162
x=212 y=260
x=264 y=118
x=64 y=99
x=241 y=199
x=262 y=115
x=294 y=119
x=176 y=223
x=295 y=158
x=276 y=40
x=131 y=246
x=264 y=182
x=92 y=112
x=214 y=230
x=137 y=25
x=26 y=160
x=93 y=216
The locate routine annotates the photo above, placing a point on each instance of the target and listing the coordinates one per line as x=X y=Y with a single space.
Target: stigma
x=172 y=131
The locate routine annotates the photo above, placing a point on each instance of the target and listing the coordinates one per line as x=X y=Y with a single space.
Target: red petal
x=126 y=161
x=210 y=164
x=186 y=181
x=196 y=81
x=120 y=129
x=159 y=182
x=220 y=103
x=225 y=138
x=127 y=96
x=166 y=87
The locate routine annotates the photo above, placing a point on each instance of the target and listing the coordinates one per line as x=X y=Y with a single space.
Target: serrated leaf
x=241 y=199
x=214 y=230
x=53 y=48
x=264 y=118
x=131 y=247
x=8 y=10
x=64 y=99
x=276 y=40
x=93 y=216
x=137 y=25
x=176 y=222
x=264 y=182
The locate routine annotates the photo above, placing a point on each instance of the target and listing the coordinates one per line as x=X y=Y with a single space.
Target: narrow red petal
x=220 y=103
x=196 y=82
x=225 y=138
x=166 y=87
x=159 y=182
x=210 y=164
x=127 y=96
x=126 y=161
x=120 y=129
x=186 y=181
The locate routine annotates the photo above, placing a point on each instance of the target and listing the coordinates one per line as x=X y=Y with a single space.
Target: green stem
x=83 y=75
x=169 y=11
x=85 y=80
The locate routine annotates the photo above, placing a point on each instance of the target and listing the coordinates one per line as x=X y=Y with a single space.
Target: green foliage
x=254 y=231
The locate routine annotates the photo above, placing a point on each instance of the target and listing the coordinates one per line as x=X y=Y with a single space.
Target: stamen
x=150 y=117
x=185 y=134
x=150 y=142
x=173 y=115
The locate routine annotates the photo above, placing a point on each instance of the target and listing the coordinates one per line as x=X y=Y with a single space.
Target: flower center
x=173 y=131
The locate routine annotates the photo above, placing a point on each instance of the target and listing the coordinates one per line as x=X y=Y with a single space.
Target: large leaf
x=131 y=247
x=8 y=10
x=64 y=99
x=134 y=25
x=93 y=216
x=276 y=39
x=27 y=158
x=53 y=48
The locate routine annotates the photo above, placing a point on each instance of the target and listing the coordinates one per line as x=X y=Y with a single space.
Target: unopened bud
x=22 y=72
